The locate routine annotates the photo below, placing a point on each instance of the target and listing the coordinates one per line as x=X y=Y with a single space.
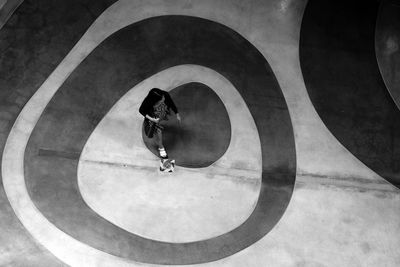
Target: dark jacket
x=155 y=94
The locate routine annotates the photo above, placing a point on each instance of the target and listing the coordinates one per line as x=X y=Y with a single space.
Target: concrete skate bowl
x=119 y=63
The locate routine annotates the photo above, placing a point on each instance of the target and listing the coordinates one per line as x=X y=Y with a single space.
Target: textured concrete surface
x=341 y=213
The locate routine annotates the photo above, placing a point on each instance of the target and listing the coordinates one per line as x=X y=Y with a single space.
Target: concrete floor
x=274 y=167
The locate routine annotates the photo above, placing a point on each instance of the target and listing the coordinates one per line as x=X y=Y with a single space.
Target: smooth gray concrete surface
x=2 y=2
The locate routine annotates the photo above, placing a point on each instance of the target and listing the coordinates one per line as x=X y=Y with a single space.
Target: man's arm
x=145 y=109
x=172 y=105
x=156 y=120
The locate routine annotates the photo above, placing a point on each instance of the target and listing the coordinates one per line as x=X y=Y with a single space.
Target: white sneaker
x=167 y=165
x=162 y=152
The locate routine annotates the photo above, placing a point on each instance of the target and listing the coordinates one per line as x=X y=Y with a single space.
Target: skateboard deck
x=167 y=165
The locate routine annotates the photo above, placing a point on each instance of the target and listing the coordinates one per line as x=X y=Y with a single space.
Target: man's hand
x=156 y=120
x=178 y=117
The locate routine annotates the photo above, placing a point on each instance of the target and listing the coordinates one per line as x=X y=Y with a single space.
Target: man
x=155 y=108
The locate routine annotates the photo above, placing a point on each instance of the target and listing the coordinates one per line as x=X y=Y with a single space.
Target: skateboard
x=167 y=165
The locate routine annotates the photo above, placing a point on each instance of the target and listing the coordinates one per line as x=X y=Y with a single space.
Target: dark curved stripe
x=387 y=46
x=337 y=53
x=204 y=134
x=119 y=63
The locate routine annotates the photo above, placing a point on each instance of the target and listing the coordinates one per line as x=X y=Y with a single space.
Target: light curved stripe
x=119 y=15
x=106 y=145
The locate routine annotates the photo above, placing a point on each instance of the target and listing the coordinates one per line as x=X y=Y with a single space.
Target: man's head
x=156 y=94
